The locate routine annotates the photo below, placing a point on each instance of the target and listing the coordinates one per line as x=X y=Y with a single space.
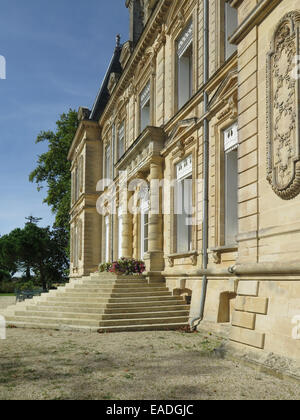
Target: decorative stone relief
x=113 y=80
x=283 y=88
x=230 y=108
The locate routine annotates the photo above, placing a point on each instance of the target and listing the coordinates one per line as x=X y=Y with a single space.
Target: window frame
x=228 y=147
x=221 y=27
x=183 y=172
x=121 y=129
x=107 y=161
x=190 y=44
x=146 y=89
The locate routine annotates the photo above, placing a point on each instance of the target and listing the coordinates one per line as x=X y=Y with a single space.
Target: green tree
x=36 y=249
x=4 y=275
x=53 y=168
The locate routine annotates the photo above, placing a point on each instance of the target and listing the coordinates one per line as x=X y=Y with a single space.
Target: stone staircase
x=104 y=302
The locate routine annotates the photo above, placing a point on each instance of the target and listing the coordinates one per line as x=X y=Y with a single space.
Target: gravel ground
x=43 y=365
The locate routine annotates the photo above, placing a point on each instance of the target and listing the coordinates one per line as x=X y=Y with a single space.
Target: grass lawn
x=7 y=294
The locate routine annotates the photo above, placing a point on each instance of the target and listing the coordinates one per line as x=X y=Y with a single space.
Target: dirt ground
x=63 y=365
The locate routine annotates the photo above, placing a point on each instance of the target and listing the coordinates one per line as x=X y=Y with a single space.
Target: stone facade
x=253 y=281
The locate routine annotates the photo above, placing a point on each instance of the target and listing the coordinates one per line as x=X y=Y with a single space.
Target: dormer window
x=145 y=107
x=185 y=65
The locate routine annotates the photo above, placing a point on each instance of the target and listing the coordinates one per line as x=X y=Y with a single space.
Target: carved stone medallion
x=283 y=89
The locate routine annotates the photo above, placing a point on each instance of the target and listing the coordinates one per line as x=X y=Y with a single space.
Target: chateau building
x=190 y=161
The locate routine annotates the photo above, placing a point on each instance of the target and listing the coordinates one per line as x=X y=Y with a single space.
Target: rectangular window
x=121 y=140
x=145 y=107
x=231 y=184
x=185 y=66
x=75 y=244
x=183 y=195
x=76 y=184
x=107 y=162
x=231 y=23
x=144 y=227
x=106 y=220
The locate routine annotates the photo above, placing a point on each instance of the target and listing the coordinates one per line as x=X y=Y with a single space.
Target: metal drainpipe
x=113 y=177
x=199 y=317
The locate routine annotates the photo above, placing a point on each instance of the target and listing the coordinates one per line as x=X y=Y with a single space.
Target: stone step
x=98 y=309
x=119 y=283
x=91 y=300
x=104 y=302
x=143 y=321
x=59 y=314
x=113 y=306
x=143 y=315
x=104 y=309
x=61 y=321
x=84 y=294
x=101 y=317
x=96 y=323
x=154 y=309
x=146 y=289
x=111 y=279
x=126 y=328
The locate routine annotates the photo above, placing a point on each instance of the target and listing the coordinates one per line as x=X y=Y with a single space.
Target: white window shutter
x=184 y=168
x=231 y=138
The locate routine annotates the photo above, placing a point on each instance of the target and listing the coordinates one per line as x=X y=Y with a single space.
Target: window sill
x=191 y=254
x=219 y=250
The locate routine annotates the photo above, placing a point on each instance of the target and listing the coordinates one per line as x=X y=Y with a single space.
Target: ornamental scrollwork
x=283 y=89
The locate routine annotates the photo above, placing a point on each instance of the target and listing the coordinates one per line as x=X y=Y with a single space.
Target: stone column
x=154 y=258
x=127 y=221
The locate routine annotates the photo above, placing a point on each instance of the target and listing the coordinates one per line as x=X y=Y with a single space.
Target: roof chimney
x=136 y=12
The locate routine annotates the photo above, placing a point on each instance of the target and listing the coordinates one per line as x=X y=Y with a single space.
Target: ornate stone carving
x=216 y=257
x=230 y=108
x=171 y=262
x=113 y=80
x=283 y=89
x=83 y=113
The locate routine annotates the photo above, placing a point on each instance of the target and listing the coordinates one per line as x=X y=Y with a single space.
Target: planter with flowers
x=124 y=267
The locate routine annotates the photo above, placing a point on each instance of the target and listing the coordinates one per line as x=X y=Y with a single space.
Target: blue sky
x=57 y=53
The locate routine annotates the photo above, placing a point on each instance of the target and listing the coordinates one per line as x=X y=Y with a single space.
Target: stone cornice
x=147 y=145
x=148 y=35
x=84 y=125
x=258 y=14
